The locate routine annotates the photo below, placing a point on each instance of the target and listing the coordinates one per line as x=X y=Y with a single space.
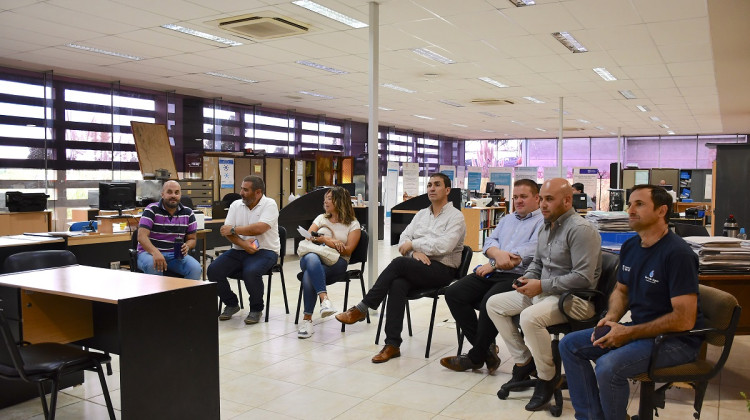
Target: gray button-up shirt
x=568 y=255
x=439 y=236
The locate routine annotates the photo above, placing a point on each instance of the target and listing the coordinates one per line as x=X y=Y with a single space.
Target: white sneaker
x=305 y=329
x=326 y=309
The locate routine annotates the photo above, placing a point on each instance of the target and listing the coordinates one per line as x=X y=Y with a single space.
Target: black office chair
x=187 y=202
x=684 y=229
x=434 y=294
x=230 y=198
x=722 y=314
x=359 y=256
x=600 y=297
x=277 y=268
x=38 y=363
x=133 y=254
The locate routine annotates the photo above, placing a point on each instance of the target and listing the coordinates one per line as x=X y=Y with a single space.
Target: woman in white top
x=338 y=229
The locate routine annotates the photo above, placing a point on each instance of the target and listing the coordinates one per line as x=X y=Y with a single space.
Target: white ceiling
x=664 y=51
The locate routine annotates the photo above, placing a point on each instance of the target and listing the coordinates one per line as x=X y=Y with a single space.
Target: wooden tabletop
x=93 y=283
x=18 y=240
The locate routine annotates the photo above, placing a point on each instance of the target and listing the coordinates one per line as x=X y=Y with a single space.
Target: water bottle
x=742 y=235
x=178 y=248
x=730 y=227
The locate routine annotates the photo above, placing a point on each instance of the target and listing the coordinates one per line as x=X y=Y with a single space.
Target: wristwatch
x=233 y=233
x=492 y=262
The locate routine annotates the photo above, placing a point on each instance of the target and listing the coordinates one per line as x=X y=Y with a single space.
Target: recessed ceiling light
x=460 y=125
x=598 y=127
x=642 y=108
x=670 y=132
x=540 y=129
x=558 y=111
x=654 y=118
x=227 y=76
x=569 y=42
x=317 y=95
x=663 y=126
x=321 y=67
x=331 y=14
x=627 y=94
x=451 y=103
x=604 y=74
x=382 y=108
x=105 y=52
x=200 y=34
x=533 y=99
x=489 y=114
x=398 y=88
x=516 y=122
x=424 y=52
x=424 y=117
x=521 y=3
x=488 y=131
x=585 y=121
x=493 y=82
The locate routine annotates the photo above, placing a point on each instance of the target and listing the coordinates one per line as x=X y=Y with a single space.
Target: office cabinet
x=327 y=168
x=480 y=221
x=201 y=191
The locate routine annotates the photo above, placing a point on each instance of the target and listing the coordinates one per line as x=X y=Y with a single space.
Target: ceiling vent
x=255 y=26
x=492 y=102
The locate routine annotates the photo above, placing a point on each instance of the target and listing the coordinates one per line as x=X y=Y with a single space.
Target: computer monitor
x=579 y=201
x=489 y=188
x=117 y=196
x=667 y=187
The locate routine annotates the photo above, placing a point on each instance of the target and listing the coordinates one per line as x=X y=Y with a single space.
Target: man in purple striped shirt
x=161 y=224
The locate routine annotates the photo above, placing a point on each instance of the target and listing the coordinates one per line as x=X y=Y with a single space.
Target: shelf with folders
x=479 y=222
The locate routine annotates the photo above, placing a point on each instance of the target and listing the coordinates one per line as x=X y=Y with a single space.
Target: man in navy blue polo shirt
x=161 y=224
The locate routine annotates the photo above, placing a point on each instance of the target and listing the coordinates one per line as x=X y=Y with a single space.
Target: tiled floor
x=267 y=372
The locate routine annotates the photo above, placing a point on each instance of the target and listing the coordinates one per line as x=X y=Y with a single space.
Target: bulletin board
x=153 y=148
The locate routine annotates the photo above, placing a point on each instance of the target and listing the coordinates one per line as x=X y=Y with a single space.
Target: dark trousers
x=235 y=263
x=402 y=275
x=470 y=293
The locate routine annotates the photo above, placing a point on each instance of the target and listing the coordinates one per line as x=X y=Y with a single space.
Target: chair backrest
x=187 y=202
x=35 y=260
x=282 y=239
x=230 y=198
x=359 y=255
x=88 y=226
x=607 y=280
x=11 y=363
x=466 y=255
x=134 y=239
x=718 y=308
x=684 y=229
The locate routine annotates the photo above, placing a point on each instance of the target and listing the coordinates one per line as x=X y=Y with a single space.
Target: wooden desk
x=10 y=245
x=163 y=328
x=16 y=223
x=738 y=285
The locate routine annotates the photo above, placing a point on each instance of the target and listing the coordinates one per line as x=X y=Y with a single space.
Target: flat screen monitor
x=579 y=201
x=117 y=196
x=667 y=187
x=490 y=188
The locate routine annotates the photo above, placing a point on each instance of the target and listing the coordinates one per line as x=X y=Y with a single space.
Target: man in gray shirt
x=568 y=256
x=431 y=249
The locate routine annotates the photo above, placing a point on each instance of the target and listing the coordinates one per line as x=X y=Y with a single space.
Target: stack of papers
x=614 y=221
x=719 y=254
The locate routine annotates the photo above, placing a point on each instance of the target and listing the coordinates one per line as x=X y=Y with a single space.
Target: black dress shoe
x=543 y=393
x=460 y=363
x=492 y=359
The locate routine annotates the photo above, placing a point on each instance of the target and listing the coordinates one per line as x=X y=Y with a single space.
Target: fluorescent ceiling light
x=329 y=13
x=200 y=34
x=493 y=82
x=105 y=52
x=540 y=129
x=670 y=132
x=317 y=95
x=382 y=108
x=521 y=3
x=604 y=74
x=488 y=131
x=460 y=125
x=570 y=43
x=423 y=117
x=585 y=121
x=398 y=88
x=663 y=126
x=451 y=103
x=516 y=122
x=654 y=118
x=642 y=108
x=227 y=76
x=489 y=114
x=627 y=94
x=599 y=127
x=558 y=111
x=424 y=52
x=533 y=99
x=321 y=67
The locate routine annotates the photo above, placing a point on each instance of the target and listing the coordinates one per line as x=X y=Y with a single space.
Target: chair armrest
x=660 y=339
x=586 y=294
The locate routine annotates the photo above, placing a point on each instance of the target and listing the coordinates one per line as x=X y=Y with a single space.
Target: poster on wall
x=460 y=177
x=226 y=173
x=474 y=174
x=553 y=172
x=526 y=172
x=587 y=177
x=390 y=195
x=410 y=172
x=449 y=170
x=502 y=179
x=300 y=175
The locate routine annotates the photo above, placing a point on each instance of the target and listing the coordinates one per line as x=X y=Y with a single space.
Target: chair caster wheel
x=503 y=394
x=555 y=411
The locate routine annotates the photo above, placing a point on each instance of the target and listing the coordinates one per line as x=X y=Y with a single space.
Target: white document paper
x=302 y=231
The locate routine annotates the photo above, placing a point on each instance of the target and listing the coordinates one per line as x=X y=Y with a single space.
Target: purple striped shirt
x=165 y=228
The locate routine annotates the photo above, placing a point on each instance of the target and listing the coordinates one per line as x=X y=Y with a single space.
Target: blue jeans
x=187 y=267
x=602 y=392
x=235 y=263
x=314 y=274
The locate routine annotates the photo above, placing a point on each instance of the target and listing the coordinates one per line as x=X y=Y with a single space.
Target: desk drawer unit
x=200 y=191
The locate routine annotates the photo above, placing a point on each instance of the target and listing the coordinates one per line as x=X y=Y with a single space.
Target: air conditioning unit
x=261 y=26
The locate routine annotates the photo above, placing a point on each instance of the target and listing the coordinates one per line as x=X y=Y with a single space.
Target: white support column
x=562 y=170
x=372 y=145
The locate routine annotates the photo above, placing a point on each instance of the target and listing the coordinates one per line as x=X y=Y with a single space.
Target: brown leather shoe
x=389 y=352
x=351 y=316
